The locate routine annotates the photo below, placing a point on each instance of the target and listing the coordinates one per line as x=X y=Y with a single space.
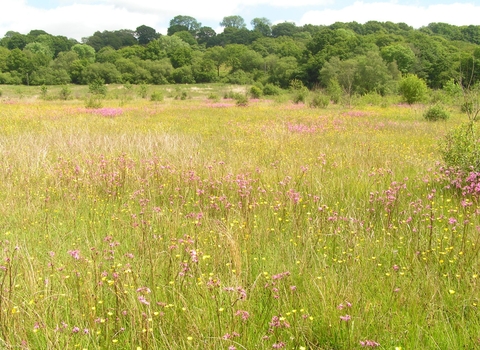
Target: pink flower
x=142 y=299
x=74 y=254
x=369 y=343
x=346 y=318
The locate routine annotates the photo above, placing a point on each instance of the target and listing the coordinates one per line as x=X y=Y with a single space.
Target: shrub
x=435 y=113
x=320 y=101
x=239 y=77
x=460 y=148
x=65 y=93
x=43 y=92
x=271 y=90
x=412 y=88
x=334 y=90
x=93 y=102
x=156 y=96
x=256 y=92
x=214 y=97
x=241 y=100
x=143 y=91
x=98 y=87
x=300 y=95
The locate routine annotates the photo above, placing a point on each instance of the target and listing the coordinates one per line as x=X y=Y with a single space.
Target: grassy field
x=196 y=224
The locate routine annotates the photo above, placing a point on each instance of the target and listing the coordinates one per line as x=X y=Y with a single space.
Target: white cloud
x=416 y=16
x=81 y=18
x=75 y=21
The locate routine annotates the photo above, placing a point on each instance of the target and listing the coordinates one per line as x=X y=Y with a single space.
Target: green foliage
x=156 y=96
x=239 y=77
x=412 y=88
x=461 y=149
x=181 y=94
x=334 y=90
x=300 y=95
x=93 y=102
x=183 y=75
x=233 y=22
x=319 y=100
x=98 y=87
x=241 y=100
x=214 y=97
x=271 y=90
x=143 y=91
x=43 y=92
x=435 y=113
x=453 y=89
x=65 y=93
x=256 y=92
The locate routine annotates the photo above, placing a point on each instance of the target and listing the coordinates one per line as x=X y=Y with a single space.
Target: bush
x=300 y=95
x=239 y=77
x=241 y=100
x=43 y=92
x=334 y=90
x=214 y=97
x=435 y=113
x=65 y=93
x=460 y=149
x=93 y=102
x=143 y=91
x=412 y=88
x=271 y=90
x=156 y=96
x=320 y=101
x=256 y=92
x=98 y=87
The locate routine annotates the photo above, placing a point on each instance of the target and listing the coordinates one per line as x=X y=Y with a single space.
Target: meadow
x=197 y=224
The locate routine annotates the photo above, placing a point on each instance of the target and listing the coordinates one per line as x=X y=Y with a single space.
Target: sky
x=81 y=18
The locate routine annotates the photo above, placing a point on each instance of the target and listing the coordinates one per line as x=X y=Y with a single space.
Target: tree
x=107 y=54
x=85 y=52
x=188 y=23
x=204 y=35
x=17 y=41
x=284 y=29
x=233 y=22
x=217 y=55
x=262 y=25
x=36 y=47
x=187 y=37
x=412 y=88
x=372 y=74
x=343 y=72
x=145 y=34
x=401 y=54
x=282 y=70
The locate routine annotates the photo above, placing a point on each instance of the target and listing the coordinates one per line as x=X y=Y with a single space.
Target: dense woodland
x=358 y=58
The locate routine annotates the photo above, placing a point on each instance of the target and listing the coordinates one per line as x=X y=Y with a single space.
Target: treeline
x=357 y=58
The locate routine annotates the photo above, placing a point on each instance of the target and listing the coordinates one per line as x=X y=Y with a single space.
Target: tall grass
x=188 y=225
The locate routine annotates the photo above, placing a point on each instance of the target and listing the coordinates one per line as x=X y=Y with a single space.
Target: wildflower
x=279 y=345
x=346 y=318
x=142 y=299
x=75 y=330
x=244 y=314
x=369 y=343
x=74 y=254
